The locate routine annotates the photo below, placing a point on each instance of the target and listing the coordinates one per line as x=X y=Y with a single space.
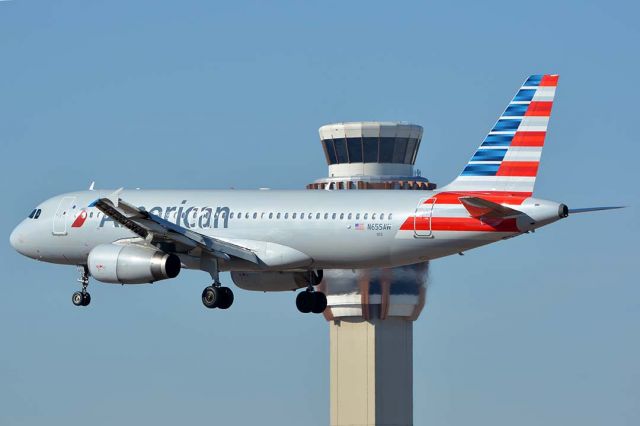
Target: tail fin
x=508 y=159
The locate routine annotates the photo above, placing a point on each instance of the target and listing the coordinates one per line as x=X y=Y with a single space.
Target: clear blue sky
x=542 y=329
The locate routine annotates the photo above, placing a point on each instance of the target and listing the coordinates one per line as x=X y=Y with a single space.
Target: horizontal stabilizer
x=594 y=209
x=481 y=208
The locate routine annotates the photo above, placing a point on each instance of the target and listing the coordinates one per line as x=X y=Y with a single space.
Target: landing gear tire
x=211 y=297
x=77 y=298
x=86 y=299
x=217 y=297
x=319 y=302
x=304 y=301
x=80 y=298
x=311 y=301
x=226 y=297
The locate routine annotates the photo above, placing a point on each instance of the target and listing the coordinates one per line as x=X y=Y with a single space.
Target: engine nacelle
x=270 y=281
x=131 y=264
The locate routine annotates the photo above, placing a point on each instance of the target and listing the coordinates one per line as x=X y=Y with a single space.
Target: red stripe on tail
x=518 y=168
x=528 y=139
x=539 y=109
x=549 y=80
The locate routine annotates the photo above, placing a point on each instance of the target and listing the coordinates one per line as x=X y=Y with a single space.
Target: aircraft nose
x=13 y=239
x=16 y=239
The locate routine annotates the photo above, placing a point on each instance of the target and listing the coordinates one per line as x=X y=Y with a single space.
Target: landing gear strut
x=216 y=296
x=310 y=300
x=82 y=297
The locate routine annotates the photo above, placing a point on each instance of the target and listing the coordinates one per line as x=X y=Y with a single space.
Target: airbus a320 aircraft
x=282 y=240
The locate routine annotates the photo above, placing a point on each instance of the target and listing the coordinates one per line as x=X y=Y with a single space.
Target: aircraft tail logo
x=508 y=159
x=80 y=219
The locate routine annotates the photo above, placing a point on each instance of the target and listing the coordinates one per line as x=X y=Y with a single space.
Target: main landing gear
x=216 y=296
x=310 y=300
x=82 y=298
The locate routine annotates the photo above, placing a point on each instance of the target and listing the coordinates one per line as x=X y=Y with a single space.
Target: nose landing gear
x=82 y=297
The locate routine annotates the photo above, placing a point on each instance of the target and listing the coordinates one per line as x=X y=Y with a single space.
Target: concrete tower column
x=371 y=372
x=371 y=311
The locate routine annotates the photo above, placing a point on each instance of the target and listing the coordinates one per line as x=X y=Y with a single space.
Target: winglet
x=114 y=197
x=92 y=186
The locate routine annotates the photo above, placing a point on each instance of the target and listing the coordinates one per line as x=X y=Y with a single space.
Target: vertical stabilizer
x=508 y=159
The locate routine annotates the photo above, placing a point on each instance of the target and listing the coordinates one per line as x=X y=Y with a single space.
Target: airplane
x=277 y=240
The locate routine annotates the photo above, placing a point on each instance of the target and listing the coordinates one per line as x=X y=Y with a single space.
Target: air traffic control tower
x=371 y=311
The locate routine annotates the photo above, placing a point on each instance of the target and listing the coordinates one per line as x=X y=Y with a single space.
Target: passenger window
x=390 y=216
x=270 y=215
x=326 y=216
x=310 y=216
x=293 y=216
x=333 y=216
x=341 y=216
x=357 y=216
x=239 y=215
x=246 y=215
x=262 y=215
x=366 y=216
x=317 y=216
x=286 y=215
x=278 y=215
x=255 y=215
x=231 y=215
x=224 y=215
x=373 y=216
x=381 y=216
x=301 y=215
x=37 y=214
x=91 y=214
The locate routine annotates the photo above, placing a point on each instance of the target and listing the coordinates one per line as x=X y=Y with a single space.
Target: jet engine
x=131 y=264
x=270 y=281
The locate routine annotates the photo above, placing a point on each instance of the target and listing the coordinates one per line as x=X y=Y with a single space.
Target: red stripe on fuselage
x=499 y=197
x=518 y=168
x=459 y=224
x=539 y=109
x=528 y=139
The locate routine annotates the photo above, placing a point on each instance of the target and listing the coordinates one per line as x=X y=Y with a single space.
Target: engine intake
x=131 y=264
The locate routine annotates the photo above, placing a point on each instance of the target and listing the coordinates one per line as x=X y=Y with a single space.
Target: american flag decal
x=359 y=226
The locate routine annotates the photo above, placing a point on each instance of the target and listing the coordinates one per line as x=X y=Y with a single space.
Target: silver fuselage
x=295 y=229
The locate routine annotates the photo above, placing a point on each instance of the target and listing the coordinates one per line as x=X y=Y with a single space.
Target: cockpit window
x=37 y=213
x=33 y=213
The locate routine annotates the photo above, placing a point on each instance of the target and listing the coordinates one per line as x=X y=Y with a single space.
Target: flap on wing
x=481 y=208
x=148 y=225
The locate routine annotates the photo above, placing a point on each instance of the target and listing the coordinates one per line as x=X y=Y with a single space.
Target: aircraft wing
x=481 y=208
x=155 y=229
